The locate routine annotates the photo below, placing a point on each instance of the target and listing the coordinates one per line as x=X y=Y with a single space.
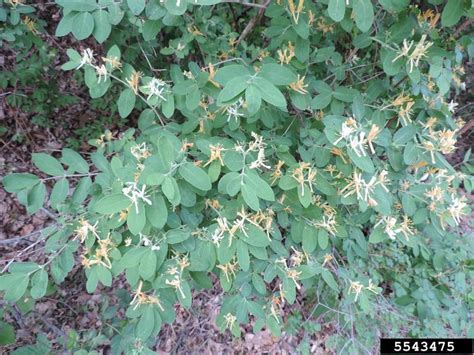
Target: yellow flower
x=296 y=11
x=134 y=81
x=299 y=86
x=216 y=151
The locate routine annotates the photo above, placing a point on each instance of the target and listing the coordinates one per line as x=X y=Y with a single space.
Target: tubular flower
x=176 y=284
x=216 y=151
x=233 y=110
x=457 y=208
x=229 y=269
x=140 y=298
x=299 y=86
x=363 y=189
x=134 y=194
x=355 y=287
x=87 y=58
x=156 y=87
x=304 y=174
x=348 y=127
x=230 y=320
x=83 y=230
x=373 y=133
x=418 y=52
x=295 y=11
x=113 y=61
x=101 y=73
x=134 y=81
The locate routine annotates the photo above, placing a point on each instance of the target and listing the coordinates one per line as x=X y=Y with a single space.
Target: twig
x=253 y=22
x=463 y=26
x=469 y=125
x=251 y=4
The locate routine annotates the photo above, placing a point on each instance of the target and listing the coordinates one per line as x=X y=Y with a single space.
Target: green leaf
x=92 y=280
x=270 y=93
x=78 y=5
x=376 y=236
x=147 y=266
x=104 y=275
x=168 y=188
x=65 y=25
x=176 y=8
x=323 y=239
x=74 y=160
x=255 y=236
x=102 y=27
x=363 y=14
x=112 y=204
x=243 y=256
x=277 y=74
x=310 y=238
x=345 y=94
x=233 y=88
x=146 y=324
x=59 y=192
x=452 y=13
x=253 y=99
x=83 y=25
x=150 y=30
x=166 y=153
x=321 y=101
x=136 y=6
x=126 y=102
x=7 y=334
x=157 y=213
x=363 y=162
x=36 y=198
x=329 y=279
x=47 y=164
x=404 y=135
x=336 y=9
x=250 y=196
x=259 y=284
x=39 y=284
x=82 y=190
x=195 y=176
x=229 y=72
x=18 y=284
x=136 y=220
x=304 y=195
x=260 y=186
x=16 y=182
x=176 y=236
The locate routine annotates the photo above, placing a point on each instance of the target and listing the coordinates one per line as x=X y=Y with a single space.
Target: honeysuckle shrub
x=284 y=150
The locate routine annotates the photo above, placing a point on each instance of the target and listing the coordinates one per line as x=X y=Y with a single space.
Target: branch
x=468 y=126
x=252 y=4
x=253 y=22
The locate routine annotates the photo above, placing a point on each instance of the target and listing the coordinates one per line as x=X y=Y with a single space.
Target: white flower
x=347 y=128
x=87 y=57
x=390 y=223
x=101 y=72
x=233 y=110
x=456 y=209
x=135 y=194
x=357 y=144
x=452 y=106
x=140 y=151
x=156 y=87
